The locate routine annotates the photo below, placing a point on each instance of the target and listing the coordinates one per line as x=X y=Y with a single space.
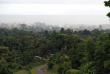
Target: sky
x=55 y=1
x=47 y=8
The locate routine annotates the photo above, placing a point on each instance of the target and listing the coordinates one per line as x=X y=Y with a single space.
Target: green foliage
x=50 y=65
x=73 y=72
x=61 y=70
x=21 y=72
x=86 y=51
x=4 y=51
x=4 y=69
x=107 y=4
x=89 y=68
x=108 y=14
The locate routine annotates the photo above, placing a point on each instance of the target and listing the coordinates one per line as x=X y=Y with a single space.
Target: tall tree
x=107 y=4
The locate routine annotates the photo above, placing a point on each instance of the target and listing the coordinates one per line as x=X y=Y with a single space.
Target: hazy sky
x=52 y=7
x=54 y=1
x=55 y=7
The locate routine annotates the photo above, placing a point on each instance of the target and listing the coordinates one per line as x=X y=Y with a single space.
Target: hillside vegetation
x=87 y=52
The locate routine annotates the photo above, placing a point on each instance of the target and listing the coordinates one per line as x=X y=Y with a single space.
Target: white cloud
x=52 y=9
x=83 y=11
x=54 y=1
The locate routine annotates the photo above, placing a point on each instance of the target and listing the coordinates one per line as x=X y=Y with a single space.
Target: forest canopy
x=84 y=50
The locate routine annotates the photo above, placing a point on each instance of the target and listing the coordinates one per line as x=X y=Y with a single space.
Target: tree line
x=84 y=50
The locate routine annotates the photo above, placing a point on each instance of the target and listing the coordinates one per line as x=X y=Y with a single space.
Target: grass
x=48 y=71
x=72 y=71
x=21 y=72
x=51 y=71
x=33 y=71
x=26 y=72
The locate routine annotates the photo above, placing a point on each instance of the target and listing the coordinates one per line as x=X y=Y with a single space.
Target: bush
x=78 y=72
x=73 y=72
x=60 y=70
x=50 y=65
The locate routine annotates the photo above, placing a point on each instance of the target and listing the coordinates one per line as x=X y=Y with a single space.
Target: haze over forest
x=56 y=19
x=54 y=37
x=54 y=12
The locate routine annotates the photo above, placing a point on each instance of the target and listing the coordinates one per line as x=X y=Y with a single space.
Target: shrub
x=50 y=65
x=61 y=70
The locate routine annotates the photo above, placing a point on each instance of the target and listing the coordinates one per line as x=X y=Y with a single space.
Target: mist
x=56 y=19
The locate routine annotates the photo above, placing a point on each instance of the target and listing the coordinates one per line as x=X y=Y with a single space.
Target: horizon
x=54 y=12
x=56 y=19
